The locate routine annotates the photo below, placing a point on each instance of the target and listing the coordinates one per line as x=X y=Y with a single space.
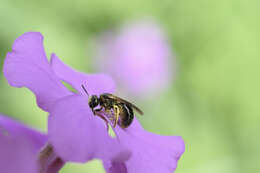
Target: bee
x=115 y=107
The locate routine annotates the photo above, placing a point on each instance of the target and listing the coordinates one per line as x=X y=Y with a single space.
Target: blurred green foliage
x=213 y=103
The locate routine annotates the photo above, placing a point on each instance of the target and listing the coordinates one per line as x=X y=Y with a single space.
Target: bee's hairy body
x=126 y=115
x=121 y=110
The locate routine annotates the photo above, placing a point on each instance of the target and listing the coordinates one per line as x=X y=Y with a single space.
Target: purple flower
x=73 y=131
x=19 y=148
x=74 y=134
x=150 y=152
x=138 y=57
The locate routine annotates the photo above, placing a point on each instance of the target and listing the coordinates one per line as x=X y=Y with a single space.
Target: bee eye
x=94 y=101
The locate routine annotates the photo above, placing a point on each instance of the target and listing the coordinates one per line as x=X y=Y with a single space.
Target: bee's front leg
x=96 y=110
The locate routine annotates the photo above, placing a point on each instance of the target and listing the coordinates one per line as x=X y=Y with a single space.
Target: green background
x=214 y=101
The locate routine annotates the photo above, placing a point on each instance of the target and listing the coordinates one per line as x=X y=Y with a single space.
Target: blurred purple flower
x=19 y=148
x=138 y=57
x=73 y=132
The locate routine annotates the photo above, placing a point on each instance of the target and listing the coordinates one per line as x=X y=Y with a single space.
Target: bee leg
x=109 y=113
x=103 y=118
x=116 y=112
x=96 y=110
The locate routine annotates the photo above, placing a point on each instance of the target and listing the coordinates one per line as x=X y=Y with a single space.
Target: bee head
x=93 y=101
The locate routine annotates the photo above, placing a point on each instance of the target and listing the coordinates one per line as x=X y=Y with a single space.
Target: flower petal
x=150 y=152
x=27 y=66
x=19 y=147
x=77 y=135
x=115 y=167
x=94 y=83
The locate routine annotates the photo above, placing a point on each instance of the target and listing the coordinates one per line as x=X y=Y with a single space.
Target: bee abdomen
x=127 y=116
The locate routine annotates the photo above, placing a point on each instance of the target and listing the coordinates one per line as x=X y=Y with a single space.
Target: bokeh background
x=213 y=103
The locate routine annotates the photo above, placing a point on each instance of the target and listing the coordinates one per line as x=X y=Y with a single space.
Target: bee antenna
x=84 y=89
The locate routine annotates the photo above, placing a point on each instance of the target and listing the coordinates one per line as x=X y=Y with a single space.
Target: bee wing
x=111 y=96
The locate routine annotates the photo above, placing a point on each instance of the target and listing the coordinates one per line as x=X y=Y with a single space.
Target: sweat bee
x=118 y=110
